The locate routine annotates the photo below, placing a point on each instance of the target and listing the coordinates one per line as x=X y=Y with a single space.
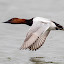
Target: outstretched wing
x=36 y=36
x=39 y=42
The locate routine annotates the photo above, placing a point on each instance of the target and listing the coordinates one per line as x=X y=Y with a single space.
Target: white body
x=37 y=33
x=38 y=20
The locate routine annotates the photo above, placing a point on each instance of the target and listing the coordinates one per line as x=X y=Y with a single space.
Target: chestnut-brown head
x=20 y=21
x=16 y=21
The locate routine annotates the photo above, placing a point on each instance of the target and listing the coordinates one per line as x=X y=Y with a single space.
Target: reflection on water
x=40 y=60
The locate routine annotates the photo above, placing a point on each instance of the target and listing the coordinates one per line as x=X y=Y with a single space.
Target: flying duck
x=39 y=30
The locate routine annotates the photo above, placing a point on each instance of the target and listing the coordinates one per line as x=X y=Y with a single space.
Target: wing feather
x=36 y=37
x=39 y=42
x=32 y=29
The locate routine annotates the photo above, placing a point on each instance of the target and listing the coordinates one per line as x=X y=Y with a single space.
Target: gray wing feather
x=40 y=41
x=32 y=29
x=36 y=38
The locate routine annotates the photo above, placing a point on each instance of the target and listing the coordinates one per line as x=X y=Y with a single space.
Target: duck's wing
x=39 y=41
x=36 y=36
x=32 y=30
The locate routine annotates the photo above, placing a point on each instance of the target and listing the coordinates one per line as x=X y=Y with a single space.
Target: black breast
x=29 y=21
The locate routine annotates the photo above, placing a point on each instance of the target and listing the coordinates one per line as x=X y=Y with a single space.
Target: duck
x=38 y=32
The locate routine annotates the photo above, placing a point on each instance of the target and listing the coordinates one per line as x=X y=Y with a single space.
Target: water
x=12 y=36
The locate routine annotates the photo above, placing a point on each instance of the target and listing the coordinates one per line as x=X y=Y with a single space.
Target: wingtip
x=22 y=48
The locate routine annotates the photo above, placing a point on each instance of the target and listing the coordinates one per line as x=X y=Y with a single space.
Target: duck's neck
x=29 y=22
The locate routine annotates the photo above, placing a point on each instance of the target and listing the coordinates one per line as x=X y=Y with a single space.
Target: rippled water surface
x=12 y=36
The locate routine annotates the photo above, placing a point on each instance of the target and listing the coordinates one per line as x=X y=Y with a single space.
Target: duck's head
x=16 y=21
x=20 y=21
x=58 y=26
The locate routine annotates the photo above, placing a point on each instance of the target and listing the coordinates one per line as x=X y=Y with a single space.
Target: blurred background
x=32 y=8
x=12 y=36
